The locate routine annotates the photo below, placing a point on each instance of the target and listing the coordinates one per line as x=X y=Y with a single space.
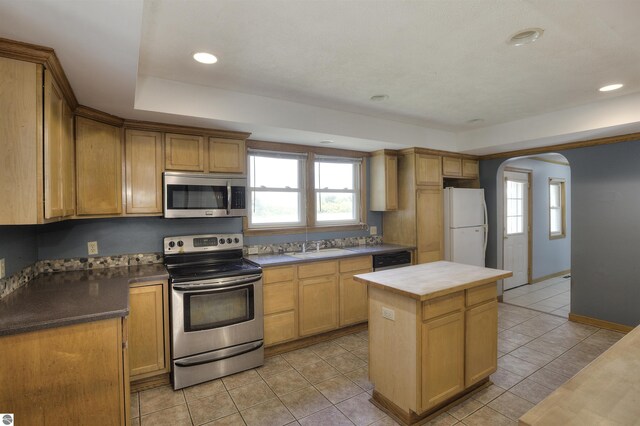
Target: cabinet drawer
x=276 y=275
x=356 y=264
x=279 y=327
x=442 y=305
x=481 y=294
x=317 y=269
x=279 y=297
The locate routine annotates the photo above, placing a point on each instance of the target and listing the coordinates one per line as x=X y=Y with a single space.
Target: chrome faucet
x=304 y=246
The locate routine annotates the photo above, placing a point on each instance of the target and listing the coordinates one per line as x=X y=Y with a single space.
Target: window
x=337 y=190
x=301 y=189
x=515 y=207
x=557 y=218
x=276 y=189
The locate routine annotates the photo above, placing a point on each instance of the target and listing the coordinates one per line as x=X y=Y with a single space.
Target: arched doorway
x=534 y=231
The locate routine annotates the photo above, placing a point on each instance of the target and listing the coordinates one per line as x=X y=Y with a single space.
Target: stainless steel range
x=216 y=308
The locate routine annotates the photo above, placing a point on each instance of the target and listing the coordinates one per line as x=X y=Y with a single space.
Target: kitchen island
x=433 y=331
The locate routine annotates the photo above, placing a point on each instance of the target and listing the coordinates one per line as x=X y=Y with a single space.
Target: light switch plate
x=389 y=314
x=373 y=230
x=2 y=272
x=92 y=248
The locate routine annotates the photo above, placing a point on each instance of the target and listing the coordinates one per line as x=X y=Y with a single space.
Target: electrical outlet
x=2 y=268
x=373 y=230
x=389 y=314
x=92 y=248
x=252 y=250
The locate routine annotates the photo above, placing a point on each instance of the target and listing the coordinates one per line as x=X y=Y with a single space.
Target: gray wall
x=605 y=221
x=18 y=247
x=549 y=256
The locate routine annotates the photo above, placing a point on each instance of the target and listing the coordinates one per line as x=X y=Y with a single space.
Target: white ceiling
x=303 y=70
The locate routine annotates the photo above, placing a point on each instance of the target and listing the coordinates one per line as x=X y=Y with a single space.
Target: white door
x=516 y=228
x=467 y=245
x=466 y=207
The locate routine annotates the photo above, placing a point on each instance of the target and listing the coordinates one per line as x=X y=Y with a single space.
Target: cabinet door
x=146 y=330
x=354 y=303
x=98 y=168
x=442 y=358
x=384 y=181
x=451 y=166
x=428 y=170
x=318 y=304
x=184 y=152
x=279 y=327
x=143 y=165
x=227 y=155
x=391 y=182
x=53 y=149
x=469 y=168
x=481 y=335
x=68 y=163
x=429 y=225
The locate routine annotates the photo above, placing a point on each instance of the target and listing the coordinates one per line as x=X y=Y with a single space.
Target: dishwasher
x=393 y=260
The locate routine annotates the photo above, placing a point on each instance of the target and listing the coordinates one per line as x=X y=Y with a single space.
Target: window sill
x=300 y=230
x=557 y=237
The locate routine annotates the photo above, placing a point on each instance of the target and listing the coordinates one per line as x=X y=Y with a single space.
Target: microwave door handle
x=228 y=198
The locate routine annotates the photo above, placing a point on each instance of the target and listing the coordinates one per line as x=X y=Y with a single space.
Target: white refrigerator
x=465 y=226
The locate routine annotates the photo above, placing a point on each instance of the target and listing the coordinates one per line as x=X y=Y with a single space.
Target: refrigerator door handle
x=486 y=225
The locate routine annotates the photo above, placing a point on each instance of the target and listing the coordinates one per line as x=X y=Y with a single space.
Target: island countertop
x=430 y=280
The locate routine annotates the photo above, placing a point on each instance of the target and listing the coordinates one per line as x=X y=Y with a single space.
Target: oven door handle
x=219 y=355
x=221 y=283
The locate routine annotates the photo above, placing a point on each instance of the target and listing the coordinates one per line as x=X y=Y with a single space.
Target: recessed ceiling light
x=475 y=121
x=326 y=141
x=525 y=36
x=379 y=98
x=610 y=87
x=205 y=58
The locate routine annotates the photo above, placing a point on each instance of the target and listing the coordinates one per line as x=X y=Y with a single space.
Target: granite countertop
x=57 y=299
x=430 y=280
x=286 y=259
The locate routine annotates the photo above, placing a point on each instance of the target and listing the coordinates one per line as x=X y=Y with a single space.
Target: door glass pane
x=218 y=309
x=515 y=207
x=275 y=207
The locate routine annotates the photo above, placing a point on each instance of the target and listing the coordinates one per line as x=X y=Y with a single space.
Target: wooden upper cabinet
x=184 y=152
x=428 y=170
x=430 y=234
x=451 y=167
x=143 y=171
x=98 y=168
x=384 y=181
x=53 y=149
x=470 y=168
x=227 y=155
x=68 y=163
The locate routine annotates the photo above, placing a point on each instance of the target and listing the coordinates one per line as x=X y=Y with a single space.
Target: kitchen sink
x=321 y=254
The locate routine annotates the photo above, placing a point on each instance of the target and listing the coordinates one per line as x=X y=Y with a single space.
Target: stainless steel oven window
x=218 y=308
x=196 y=197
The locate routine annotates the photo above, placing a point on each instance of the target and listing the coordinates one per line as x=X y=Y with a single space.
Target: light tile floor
x=326 y=384
x=552 y=296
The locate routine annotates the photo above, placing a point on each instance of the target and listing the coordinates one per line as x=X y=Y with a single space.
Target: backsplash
x=296 y=246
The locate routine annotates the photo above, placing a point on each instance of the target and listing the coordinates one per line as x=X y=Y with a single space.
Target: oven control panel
x=202 y=243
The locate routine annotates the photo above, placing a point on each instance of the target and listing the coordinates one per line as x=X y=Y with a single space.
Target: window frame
x=301 y=190
x=309 y=181
x=357 y=165
x=561 y=183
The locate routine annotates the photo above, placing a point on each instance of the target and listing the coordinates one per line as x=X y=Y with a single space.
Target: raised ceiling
x=304 y=70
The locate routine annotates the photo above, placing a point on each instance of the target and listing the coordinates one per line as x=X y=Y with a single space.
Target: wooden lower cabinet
x=71 y=375
x=280 y=293
x=148 y=330
x=280 y=327
x=443 y=356
x=481 y=342
x=354 y=305
x=318 y=304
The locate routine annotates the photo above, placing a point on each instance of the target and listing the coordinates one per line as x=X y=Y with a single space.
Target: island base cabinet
x=72 y=375
x=481 y=341
x=442 y=359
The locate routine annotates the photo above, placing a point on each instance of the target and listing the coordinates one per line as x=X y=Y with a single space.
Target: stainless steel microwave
x=203 y=195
